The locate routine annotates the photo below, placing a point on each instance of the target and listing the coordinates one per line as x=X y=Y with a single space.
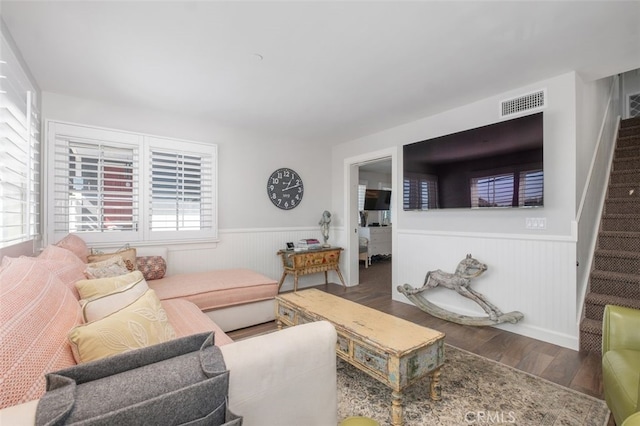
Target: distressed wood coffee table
x=396 y=352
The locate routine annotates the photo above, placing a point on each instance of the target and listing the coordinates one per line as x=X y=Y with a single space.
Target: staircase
x=615 y=278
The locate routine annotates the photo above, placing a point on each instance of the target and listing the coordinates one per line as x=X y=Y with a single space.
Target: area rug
x=475 y=391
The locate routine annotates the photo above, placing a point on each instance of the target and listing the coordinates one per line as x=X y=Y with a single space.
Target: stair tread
x=615 y=276
x=591 y=326
x=621 y=215
x=607 y=299
x=630 y=122
x=617 y=253
x=622 y=185
x=620 y=234
x=626 y=148
x=623 y=200
x=620 y=172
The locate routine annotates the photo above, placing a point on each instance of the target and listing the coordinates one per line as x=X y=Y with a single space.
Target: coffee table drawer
x=303 y=319
x=371 y=359
x=286 y=314
x=342 y=345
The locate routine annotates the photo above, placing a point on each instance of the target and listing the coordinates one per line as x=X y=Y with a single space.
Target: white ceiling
x=331 y=71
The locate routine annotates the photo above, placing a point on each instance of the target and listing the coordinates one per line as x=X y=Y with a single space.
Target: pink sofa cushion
x=216 y=289
x=64 y=264
x=187 y=319
x=76 y=245
x=37 y=312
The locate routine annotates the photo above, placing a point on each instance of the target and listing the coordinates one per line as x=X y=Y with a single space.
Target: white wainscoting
x=254 y=249
x=530 y=274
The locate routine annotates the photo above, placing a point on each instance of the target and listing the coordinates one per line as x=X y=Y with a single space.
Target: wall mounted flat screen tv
x=377 y=199
x=495 y=166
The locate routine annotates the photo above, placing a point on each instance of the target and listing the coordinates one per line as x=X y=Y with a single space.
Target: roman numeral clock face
x=285 y=189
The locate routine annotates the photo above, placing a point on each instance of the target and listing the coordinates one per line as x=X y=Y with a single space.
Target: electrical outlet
x=536 y=223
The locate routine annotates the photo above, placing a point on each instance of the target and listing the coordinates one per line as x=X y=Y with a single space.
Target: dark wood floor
x=566 y=367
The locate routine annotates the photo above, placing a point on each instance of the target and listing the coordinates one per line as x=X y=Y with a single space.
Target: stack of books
x=308 y=244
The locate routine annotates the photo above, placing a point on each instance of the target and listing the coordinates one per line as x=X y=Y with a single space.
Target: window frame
x=141 y=233
x=20 y=170
x=190 y=148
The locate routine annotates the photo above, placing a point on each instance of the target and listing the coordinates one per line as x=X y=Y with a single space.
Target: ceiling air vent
x=525 y=103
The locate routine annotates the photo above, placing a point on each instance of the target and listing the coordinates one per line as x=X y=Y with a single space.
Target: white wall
x=374 y=180
x=592 y=105
x=529 y=271
x=599 y=107
x=245 y=162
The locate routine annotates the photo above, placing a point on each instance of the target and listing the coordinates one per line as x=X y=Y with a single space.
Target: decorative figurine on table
x=324 y=227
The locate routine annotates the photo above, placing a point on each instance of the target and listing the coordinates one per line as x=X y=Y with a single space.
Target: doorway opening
x=374 y=172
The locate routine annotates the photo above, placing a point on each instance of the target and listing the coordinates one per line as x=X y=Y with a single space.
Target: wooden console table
x=313 y=261
x=393 y=351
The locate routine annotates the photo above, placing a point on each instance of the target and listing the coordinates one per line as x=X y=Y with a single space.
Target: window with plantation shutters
x=110 y=186
x=97 y=186
x=181 y=191
x=19 y=153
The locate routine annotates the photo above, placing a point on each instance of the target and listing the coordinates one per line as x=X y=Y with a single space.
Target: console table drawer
x=371 y=359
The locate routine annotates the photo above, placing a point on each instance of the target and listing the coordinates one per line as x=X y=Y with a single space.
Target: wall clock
x=285 y=188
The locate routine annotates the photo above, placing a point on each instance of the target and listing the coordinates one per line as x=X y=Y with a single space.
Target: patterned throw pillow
x=152 y=267
x=128 y=256
x=140 y=324
x=111 y=267
x=103 y=306
x=89 y=289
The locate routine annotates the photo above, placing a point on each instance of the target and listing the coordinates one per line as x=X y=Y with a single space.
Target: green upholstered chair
x=632 y=420
x=621 y=362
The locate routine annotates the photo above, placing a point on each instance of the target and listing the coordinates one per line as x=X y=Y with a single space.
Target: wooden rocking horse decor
x=459 y=281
